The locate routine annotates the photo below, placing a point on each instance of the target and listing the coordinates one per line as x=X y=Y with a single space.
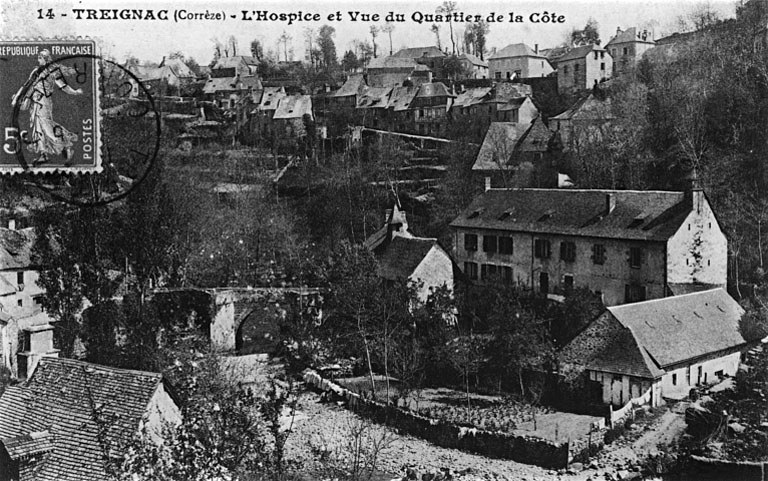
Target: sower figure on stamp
x=47 y=137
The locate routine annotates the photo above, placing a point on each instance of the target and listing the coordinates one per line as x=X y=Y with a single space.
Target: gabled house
x=582 y=68
x=627 y=47
x=243 y=65
x=628 y=246
x=174 y=72
x=516 y=155
x=586 y=119
x=476 y=67
x=660 y=348
x=394 y=71
x=228 y=92
x=69 y=415
x=349 y=93
x=430 y=108
x=517 y=61
x=373 y=103
x=398 y=108
x=261 y=116
x=403 y=256
x=429 y=56
x=290 y=115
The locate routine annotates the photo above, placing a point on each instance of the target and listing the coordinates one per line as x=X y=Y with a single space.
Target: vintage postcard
x=357 y=240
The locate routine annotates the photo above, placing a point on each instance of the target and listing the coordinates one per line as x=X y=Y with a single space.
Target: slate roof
x=512 y=104
x=63 y=397
x=681 y=328
x=224 y=84
x=374 y=97
x=271 y=97
x=16 y=248
x=403 y=255
x=578 y=212
x=629 y=35
x=401 y=98
x=580 y=52
x=498 y=145
x=434 y=89
x=418 y=52
x=474 y=60
x=353 y=86
x=29 y=444
x=179 y=68
x=392 y=63
x=234 y=62
x=608 y=346
x=472 y=96
x=537 y=138
x=588 y=108
x=515 y=50
x=293 y=107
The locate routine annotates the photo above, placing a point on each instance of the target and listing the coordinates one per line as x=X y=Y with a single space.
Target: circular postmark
x=116 y=142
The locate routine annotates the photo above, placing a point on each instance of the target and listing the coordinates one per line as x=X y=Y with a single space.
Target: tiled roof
x=515 y=50
x=680 y=328
x=588 y=108
x=471 y=97
x=223 y=84
x=498 y=145
x=392 y=63
x=608 y=346
x=234 y=62
x=512 y=104
x=293 y=107
x=418 y=52
x=353 y=86
x=65 y=397
x=29 y=444
x=637 y=215
x=403 y=255
x=179 y=68
x=16 y=248
x=580 y=52
x=630 y=35
x=474 y=60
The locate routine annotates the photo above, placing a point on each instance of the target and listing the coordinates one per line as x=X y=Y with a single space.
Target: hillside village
x=445 y=262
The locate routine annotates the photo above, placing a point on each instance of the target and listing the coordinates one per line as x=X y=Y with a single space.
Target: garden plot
x=486 y=412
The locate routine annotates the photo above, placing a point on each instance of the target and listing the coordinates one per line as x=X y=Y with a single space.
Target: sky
x=150 y=40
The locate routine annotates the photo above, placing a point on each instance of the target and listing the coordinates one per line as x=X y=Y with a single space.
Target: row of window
x=576 y=68
x=542 y=249
x=488 y=272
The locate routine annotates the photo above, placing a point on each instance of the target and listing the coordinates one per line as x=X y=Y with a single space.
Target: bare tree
x=448 y=8
x=388 y=29
x=436 y=30
x=374 y=33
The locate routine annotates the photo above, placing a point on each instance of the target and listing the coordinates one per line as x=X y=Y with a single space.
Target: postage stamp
x=49 y=106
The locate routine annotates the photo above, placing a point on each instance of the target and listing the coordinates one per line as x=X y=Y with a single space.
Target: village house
x=403 y=256
x=347 y=95
x=627 y=47
x=582 y=68
x=243 y=65
x=430 y=56
x=516 y=155
x=628 y=246
x=261 y=116
x=475 y=67
x=430 y=108
x=289 y=118
x=518 y=61
x=394 y=71
x=50 y=426
x=586 y=120
x=399 y=116
x=372 y=104
x=660 y=348
x=229 y=92
x=173 y=72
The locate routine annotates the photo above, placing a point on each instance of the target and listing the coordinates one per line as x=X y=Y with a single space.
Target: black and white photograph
x=466 y=240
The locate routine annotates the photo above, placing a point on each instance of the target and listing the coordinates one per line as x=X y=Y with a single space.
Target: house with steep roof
x=475 y=66
x=373 y=105
x=430 y=108
x=228 y=92
x=399 y=115
x=516 y=154
x=628 y=246
x=627 y=47
x=587 y=119
x=516 y=61
x=70 y=415
x=243 y=65
x=583 y=68
x=394 y=71
x=660 y=348
x=348 y=94
x=403 y=256
x=290 y=115
x=261 y=116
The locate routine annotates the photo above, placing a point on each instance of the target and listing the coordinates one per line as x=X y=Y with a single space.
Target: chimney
x=487 y=184
x=38 y=343
x=618 y=30
x=12 y=224
x=694 y=194
x=387 y=216
x=610 y=203
x=536 y=48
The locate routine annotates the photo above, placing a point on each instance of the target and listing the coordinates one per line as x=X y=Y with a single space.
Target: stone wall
x=716 y=469
x=523 y=449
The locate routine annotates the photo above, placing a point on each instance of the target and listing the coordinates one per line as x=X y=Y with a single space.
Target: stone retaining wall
x=717 y=469
x=523 y=449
